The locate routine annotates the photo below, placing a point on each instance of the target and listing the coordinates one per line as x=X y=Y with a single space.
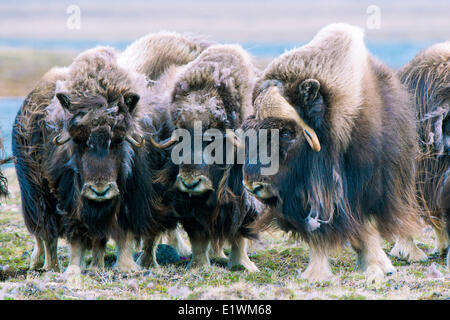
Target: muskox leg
x=176 y=240
x=406 y=249
x=371 y=258
x=217 y=249
x=442 y=240
x=73 y=271
x=98 y=254
x=239 y=255
x=51 y=254
x=125 y=261
x=448 y=258
x=148 y=256
x=318 y=268
x=200 y=250
x=38 y=255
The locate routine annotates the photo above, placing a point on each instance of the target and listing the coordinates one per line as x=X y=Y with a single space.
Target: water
x=8 y=111
x=393 y=54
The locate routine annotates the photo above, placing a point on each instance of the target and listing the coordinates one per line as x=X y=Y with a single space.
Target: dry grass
x=279 y=259
x=20 y=69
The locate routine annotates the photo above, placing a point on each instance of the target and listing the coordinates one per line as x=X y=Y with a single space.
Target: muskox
x=213 y=92
x=427 y=78
x=160 y=56
x=81 y=167
x=347 y=145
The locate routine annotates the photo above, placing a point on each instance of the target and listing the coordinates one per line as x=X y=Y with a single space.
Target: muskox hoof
x=316 y=275
x=146 y=261
x=198 y=263
x=246 y=263
x=374 y=275
x=51 y=266
x=407 y=250
x=127 y=266
x=73 y=277
x=37 y=261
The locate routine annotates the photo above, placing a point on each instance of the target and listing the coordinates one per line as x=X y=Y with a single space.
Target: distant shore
x=20 y=69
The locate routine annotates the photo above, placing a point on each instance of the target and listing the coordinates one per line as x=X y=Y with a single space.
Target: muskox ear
x=309 y=94
x=64 y=100
x=131 y=100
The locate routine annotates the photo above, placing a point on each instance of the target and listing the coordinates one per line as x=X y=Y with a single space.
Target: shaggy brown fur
x=96 y=113
x=215 y=89
x=427 y=78
x=160 y=57
x=363 y=175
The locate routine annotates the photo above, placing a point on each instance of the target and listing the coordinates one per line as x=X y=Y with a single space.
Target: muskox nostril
x=257 y=188
x=100 y=191
x=191 y=185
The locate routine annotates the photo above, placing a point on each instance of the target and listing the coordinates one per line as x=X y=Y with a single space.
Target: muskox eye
x=285 y=134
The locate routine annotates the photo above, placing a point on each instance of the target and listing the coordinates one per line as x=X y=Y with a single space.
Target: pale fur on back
x=221 y=67
x=154 y=53
x=338 y=59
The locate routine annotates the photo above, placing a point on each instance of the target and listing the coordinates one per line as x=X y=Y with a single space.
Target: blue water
x=393 y=54
x=8 y=111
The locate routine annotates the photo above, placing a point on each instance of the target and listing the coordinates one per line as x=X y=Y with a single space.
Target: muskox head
x=201 y=117
x=100 y=131
x=297 y=112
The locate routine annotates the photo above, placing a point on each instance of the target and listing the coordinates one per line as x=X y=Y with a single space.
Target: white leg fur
x=51 y=255
x=406 y=249
x=73 y=271
x=200 y=253
x=239 y=255
x=318 y=268
x=176 y=240
x=125 y=261
x=217 y=250
x=371 y=257
x=442 y=240
x=38 y=254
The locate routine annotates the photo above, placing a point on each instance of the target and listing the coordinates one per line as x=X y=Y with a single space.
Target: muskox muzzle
x=100 y=191
x=193 y=183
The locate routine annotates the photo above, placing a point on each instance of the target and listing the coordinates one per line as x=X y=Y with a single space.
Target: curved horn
x=273 y=104
x=163 y=145
x=135 y=143
x=58 y=141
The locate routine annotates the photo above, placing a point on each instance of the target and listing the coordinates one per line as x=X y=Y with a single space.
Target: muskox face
x=297 y=139
x=98 y=128
x=198 y=112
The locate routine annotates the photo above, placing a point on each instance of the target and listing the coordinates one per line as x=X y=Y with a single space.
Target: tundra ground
x=279 y=258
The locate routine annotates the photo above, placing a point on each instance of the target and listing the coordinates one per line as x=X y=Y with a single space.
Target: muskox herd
x=363 y=152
